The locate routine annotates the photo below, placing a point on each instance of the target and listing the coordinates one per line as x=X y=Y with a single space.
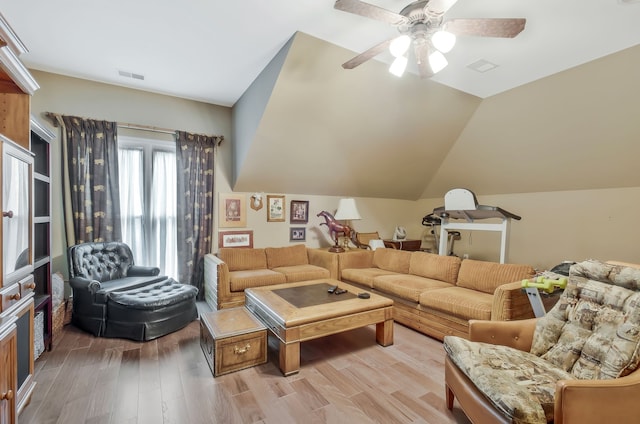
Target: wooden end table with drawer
x=297 y=312
x=232 y=339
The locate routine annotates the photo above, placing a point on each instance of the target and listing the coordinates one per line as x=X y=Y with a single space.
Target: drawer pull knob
x=8 y=214
x=31 y=286
x=7 y=396
x=15 y=296
x=240 y=350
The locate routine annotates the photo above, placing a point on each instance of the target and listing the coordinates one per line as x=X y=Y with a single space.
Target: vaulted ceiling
x=322 y=131
x=557 y=114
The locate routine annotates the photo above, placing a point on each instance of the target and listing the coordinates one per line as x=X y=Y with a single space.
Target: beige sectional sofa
x=438 y=295
x=232 y=270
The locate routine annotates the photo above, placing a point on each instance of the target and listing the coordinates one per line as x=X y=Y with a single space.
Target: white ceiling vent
x=131 y=75
x=482 y=66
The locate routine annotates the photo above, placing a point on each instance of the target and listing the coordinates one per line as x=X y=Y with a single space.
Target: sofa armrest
x=510 y=302
x=597 y=401
x=516 y=334
x=141 y=271
x=81 y=283
x=222 y=283
x=325 y=259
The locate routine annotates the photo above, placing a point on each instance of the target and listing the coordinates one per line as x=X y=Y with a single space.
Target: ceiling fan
x=422 y=25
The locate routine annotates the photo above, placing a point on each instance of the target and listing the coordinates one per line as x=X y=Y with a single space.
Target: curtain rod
x=53 y=117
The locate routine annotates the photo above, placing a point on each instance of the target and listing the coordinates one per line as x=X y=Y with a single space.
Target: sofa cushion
x=240 y=280
x=406 y=286
x=593 y=331
x=392 y=260
x=437 y=267
x=303 y=272
x=519 y=384
x=286 y=256
x=363 y=276
x=458 y=301
x=238 y=259
x=487 y=276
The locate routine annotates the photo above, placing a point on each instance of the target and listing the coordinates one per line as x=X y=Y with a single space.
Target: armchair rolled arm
x=81 y=283
x=597 y=401
x=142 y=271
x=516 y=334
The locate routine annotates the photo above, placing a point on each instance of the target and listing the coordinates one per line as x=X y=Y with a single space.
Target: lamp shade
x=347 y=210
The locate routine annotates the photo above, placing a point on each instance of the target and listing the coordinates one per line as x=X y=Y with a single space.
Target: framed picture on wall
x=233 y=210
x=235 y=238
x=297 y=234
x=299 y=213
x=275 y=208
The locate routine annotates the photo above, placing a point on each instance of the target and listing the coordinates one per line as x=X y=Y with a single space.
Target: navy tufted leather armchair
x=98 y=269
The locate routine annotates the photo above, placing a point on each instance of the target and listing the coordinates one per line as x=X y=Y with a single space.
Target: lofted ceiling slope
x=329 y=132
x=575 y=130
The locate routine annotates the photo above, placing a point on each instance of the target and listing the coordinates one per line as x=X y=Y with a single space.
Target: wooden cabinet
x=8 y=382
x=16 y=231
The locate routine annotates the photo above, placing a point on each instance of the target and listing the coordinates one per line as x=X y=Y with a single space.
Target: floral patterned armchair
x=577 y=364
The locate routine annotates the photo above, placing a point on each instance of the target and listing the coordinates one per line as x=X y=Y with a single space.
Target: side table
x=232 y=339
x=412 y=245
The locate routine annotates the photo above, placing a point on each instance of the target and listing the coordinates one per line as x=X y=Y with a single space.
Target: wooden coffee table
x=297 y=312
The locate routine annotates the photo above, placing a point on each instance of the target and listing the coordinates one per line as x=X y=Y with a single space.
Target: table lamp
x=347 y=212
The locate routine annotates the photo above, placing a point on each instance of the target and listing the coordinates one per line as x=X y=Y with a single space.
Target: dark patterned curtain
x=195 y=162
x=92 y=203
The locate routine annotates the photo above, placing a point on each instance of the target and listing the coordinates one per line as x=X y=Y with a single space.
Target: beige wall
x=71 y=96
x=555 y=226
x=561 y=225
x=380 y=215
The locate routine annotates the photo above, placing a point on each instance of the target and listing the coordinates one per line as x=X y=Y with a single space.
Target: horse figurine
x=335 y=228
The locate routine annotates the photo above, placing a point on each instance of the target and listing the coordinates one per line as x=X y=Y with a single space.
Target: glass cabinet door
x=17 y=258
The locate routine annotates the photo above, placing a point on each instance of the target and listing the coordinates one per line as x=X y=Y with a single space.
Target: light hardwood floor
x=344 y=378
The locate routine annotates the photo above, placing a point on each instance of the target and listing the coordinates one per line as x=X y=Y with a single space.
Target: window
x=148 y=202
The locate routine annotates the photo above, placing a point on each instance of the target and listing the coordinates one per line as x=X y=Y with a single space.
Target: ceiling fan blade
x=489 y=27
x=366 y=55
x=370 y=11
x=438 y=7
x=422 y=50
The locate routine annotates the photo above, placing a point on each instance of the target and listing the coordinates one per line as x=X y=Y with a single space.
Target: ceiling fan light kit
x=437 y=61
x=422 y=25
x=399 y=45
x=398 y=66
x=443 y=41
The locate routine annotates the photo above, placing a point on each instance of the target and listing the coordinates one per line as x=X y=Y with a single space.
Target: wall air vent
x=131 y=75
x=482 y=66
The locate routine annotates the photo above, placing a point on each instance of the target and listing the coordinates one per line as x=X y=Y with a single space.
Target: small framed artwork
x=299 y=213
x=235 y=238
x=297 y=234
x=233 y=210
x=275 y=208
